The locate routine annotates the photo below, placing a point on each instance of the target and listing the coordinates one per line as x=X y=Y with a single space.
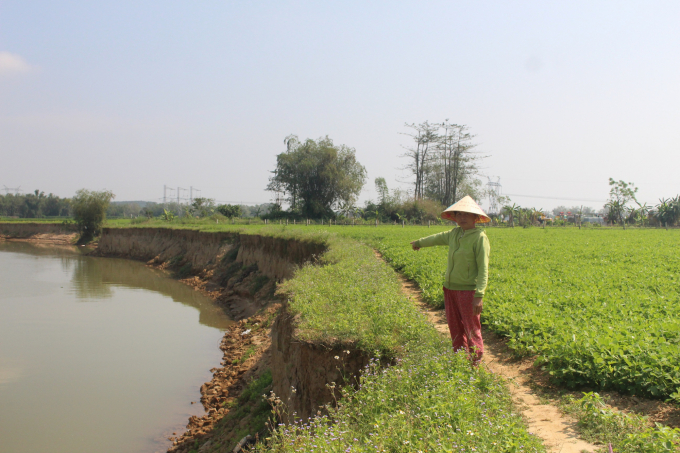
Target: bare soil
x=47 y=239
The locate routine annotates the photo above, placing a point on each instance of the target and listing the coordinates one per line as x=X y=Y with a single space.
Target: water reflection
x=94 y=279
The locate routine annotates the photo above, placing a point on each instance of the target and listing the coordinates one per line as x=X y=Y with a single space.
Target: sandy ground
x=47 y=239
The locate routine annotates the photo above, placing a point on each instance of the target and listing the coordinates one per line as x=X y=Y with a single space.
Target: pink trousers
x=465 y=328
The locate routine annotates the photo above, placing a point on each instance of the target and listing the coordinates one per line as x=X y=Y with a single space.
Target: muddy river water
x=97 y=354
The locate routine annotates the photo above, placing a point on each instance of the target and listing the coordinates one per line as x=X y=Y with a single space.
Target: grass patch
x=250 y=412
x=350 y=296
x=246 y=355
x=627 y=432
x=431 y=400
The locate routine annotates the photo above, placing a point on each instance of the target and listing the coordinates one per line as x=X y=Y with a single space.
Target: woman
x=466 y=274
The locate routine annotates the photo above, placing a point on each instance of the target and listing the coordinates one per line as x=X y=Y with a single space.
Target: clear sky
x=130 y=96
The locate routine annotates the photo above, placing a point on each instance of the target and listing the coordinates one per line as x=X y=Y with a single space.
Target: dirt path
x=545 y=420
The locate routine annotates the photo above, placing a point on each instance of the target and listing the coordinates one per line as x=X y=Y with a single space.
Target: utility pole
x=179 y=206
x=10 y=189
x=165 y=194
x=495 y=191
x=191 y=193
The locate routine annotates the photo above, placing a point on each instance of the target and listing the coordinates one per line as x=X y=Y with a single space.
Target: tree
x=33 y=203
x=620 y=194
x=512 y=211
x=390 y=206
x=454 y=153
x=202 y=207
x=317 y=176
x=383 y=191
x=419 y=154
x=89 y=211
x=668 y=211
x=442 y=162
x=229 y=210
x=168 y=216
x=54 y=206
x=147 y=212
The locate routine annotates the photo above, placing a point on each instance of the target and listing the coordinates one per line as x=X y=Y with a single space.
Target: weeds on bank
x=248 y=414
x=627 y=432
x=184 y=271
x=431 y=400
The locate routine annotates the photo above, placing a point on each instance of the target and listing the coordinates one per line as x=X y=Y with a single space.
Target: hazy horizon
x=133 y=96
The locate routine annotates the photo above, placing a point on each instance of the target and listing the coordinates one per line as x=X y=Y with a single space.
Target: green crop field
x=598 y=308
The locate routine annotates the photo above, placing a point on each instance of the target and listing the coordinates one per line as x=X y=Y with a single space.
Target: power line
x=10 y=189
x=555 y=198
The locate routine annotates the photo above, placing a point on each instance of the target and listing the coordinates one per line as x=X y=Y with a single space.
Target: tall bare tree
x=458 y=161
x=419 y=154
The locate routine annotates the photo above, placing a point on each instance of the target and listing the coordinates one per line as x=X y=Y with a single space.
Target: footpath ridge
x=547 y=421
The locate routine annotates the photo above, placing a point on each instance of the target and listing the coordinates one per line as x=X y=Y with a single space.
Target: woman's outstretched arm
x=431 y=241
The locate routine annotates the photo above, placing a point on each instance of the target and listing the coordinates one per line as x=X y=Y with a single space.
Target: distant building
x=599 y=220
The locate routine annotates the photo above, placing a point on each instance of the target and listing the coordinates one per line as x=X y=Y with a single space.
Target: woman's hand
x=414 y=246
x=477 y=303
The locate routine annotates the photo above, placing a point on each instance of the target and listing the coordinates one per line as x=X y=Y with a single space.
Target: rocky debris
x=242 y=443
x=242 y=352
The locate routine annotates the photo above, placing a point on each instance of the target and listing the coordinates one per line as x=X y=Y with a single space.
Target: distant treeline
x=34 y=205
x=38 y=205
x=205 y=206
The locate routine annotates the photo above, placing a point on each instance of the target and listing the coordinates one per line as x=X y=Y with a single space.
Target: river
x=97 y=354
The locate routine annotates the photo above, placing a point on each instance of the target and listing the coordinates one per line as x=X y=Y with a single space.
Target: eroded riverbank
x=240 y=273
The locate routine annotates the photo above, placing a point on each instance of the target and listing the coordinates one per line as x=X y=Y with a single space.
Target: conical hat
x=465 y=204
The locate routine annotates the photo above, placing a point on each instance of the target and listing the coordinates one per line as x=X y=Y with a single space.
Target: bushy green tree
x=229 y=210
x=89 y=211
x=202 y=207
x=620 y=194
x=668 y=211
x=317 y=177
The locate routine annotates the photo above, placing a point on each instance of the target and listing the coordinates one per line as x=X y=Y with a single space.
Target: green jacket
x=468 y=267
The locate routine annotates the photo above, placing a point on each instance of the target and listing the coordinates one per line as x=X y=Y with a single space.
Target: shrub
x=89 y=211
